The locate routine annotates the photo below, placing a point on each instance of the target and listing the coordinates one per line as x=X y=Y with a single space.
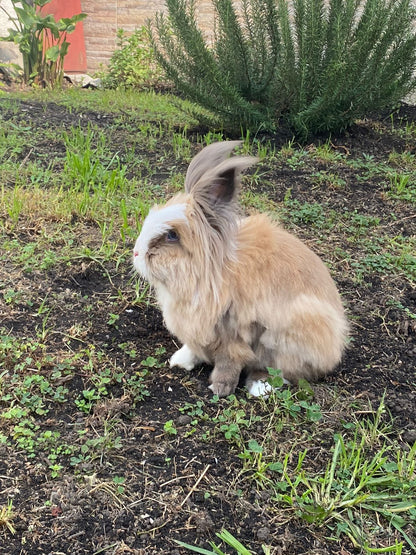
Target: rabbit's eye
x=172 y=236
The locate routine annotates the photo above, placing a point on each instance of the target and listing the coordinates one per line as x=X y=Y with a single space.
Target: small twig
x=81 y=533
x=139 y=533
x=106 y=548
x=189 y=462
x=339 y=147
x=191 y=491
x=25 y=158
x=176 y=480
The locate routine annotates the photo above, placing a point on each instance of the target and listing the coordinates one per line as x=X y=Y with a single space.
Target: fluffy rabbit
x=239 y=293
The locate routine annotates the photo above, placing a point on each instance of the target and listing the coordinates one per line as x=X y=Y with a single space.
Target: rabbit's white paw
x=184 y=358
x=260 y=388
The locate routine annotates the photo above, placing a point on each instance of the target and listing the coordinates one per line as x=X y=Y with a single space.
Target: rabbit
x=240 y=293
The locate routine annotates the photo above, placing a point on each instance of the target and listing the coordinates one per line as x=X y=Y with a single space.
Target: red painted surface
x=76 y=59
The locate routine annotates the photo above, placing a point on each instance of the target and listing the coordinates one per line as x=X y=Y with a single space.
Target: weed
x=307 y=213
x=404 y=160
x=387 y=258
x=169 y=428
x=55 y=470
x=325 y=153
x=357 y=488
x=258 y=201
x=296 y=158
x=181 y=146
x=113 y=319
x=154 y=362
x=132 y=64
x=119 y=481
x=12 y=141
x=135 y=385
x=405 y=309
x=403 y=128
x=98 y=447
x=15 y=206
x=11 y=296
x=359 y=224
x=210 y=137
x=258 y=467
x=234 y=419
x=377 y=426
x=402 y=186
x=88 y=399
x=369 y=166
x=6 y=517
x=229 y=540
x=195 y=411
x=324 y=178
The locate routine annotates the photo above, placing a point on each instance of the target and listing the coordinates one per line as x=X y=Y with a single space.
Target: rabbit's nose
x=135 y=253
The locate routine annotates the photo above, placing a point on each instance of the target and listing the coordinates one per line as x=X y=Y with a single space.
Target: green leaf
x=52 y=53
x=25 y=17
x=306 y=391
x=226 y=536
x=74 y=19
x=194 y=549
x=275 y=378
x=150 y=362
x=275 y=467
x=254 y=446
x=403 y=506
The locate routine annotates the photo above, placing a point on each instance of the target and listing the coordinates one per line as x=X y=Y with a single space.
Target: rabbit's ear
x=216 y=194
x=221 y=185
x=207 y=160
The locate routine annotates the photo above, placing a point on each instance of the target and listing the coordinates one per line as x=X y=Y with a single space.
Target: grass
x=72 y=201
x=148 y=107
x=6 y=517
x=368 y=484
x=229 y=540
x=367 y=479
x=355 y=491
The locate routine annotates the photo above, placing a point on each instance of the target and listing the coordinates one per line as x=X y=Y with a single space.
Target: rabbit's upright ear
x=217 y=179
x=221 y=186
x=208 y=159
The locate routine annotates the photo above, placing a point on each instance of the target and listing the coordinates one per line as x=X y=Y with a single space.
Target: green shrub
x=133 y=64
x=235 y=78
x=319 y=65
x=361 y=58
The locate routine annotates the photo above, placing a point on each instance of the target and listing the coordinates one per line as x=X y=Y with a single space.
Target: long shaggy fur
x=239 y=293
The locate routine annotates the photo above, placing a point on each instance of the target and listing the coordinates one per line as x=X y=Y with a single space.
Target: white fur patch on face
x=157 y=222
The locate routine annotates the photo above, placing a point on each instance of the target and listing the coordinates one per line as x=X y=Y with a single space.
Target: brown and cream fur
x=238 y=292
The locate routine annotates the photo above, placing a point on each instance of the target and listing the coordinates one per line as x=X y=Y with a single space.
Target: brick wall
x=105 y=18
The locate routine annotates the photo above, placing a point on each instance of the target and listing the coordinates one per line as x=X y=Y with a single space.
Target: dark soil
x=178 y=486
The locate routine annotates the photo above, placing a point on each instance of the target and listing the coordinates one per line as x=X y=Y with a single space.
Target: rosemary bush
x=233 y=78
x=318 y=64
